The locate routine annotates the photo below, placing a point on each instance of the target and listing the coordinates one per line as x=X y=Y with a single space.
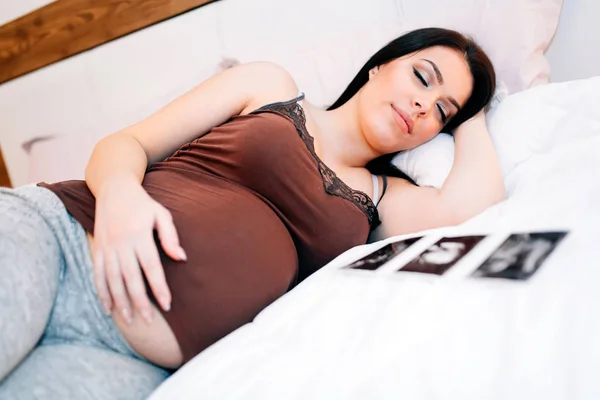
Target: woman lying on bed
x=248 y=189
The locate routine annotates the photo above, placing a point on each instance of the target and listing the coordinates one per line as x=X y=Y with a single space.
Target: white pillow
x=523 y=125
x=430 y=163
x=539 y=120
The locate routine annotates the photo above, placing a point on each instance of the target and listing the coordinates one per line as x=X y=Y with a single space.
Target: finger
x=167 y=234
x=149 y=259
x=116 y=286
x=134 y=283
x=100 y=282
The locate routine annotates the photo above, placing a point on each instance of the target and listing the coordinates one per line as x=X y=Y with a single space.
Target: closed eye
x=420 y=77
x=443 y=114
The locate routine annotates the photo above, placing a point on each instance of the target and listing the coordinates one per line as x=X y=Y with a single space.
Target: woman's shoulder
x=276 y=85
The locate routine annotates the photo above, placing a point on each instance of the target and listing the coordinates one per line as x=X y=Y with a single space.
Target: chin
x=384 y=138
x=386 y=148
x=386 y=143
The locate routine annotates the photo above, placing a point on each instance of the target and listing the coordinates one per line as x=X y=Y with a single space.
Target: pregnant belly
x=154 y=341
x=241 y=258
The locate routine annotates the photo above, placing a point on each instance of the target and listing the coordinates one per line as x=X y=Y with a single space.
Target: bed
x=380 y=334
x=385 y=334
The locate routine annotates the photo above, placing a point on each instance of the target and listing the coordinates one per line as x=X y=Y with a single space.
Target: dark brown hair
x=482 y=70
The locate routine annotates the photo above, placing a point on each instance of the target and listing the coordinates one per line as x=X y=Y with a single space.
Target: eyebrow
x=440 y=80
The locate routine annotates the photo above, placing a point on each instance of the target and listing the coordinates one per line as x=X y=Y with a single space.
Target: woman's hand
x=124 y=246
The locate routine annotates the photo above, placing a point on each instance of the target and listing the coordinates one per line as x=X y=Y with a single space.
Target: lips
x=403 y=119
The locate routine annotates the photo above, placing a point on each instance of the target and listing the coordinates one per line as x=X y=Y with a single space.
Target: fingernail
x=147 y=315
x=106 y=308
x=166 y=305
x=127 y=315
x=182 y=254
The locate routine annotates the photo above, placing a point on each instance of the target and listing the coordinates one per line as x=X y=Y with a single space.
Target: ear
x=373 y=71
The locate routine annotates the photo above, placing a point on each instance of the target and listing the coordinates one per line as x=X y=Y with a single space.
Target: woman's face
x=409 y=100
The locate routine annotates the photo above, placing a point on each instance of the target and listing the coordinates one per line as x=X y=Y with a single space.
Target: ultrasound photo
x=379 y=257
x=442 y=255
x=520 y=256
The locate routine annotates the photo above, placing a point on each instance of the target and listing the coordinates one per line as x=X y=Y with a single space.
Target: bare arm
x=127 y=153
x=474 y=183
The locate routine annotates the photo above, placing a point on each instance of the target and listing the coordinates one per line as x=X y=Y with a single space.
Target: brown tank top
x=256 y=211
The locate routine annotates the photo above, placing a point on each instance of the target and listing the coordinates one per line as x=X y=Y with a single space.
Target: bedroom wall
x=574 y=53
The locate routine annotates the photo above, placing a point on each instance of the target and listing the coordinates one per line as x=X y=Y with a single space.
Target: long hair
x=480 y=66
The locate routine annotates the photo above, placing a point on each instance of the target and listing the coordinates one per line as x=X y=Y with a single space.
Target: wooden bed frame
x=64 y=28
x=4 y=180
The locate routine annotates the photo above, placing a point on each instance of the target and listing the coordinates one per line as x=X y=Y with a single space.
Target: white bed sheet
x=386 y=335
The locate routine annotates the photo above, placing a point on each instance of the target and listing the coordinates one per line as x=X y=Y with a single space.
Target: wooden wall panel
x=67 y=27
x=4 y=180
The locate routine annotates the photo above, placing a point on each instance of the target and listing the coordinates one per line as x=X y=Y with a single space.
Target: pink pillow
x=515 y=34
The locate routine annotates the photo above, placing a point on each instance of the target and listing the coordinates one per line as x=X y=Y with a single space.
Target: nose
x=423 y=104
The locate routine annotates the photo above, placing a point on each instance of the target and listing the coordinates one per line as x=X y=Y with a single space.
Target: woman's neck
x=339 y=136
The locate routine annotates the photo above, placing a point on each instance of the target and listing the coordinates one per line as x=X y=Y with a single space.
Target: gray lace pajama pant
x=55 y=341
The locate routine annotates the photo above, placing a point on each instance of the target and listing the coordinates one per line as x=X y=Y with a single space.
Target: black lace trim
x=333 y=185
